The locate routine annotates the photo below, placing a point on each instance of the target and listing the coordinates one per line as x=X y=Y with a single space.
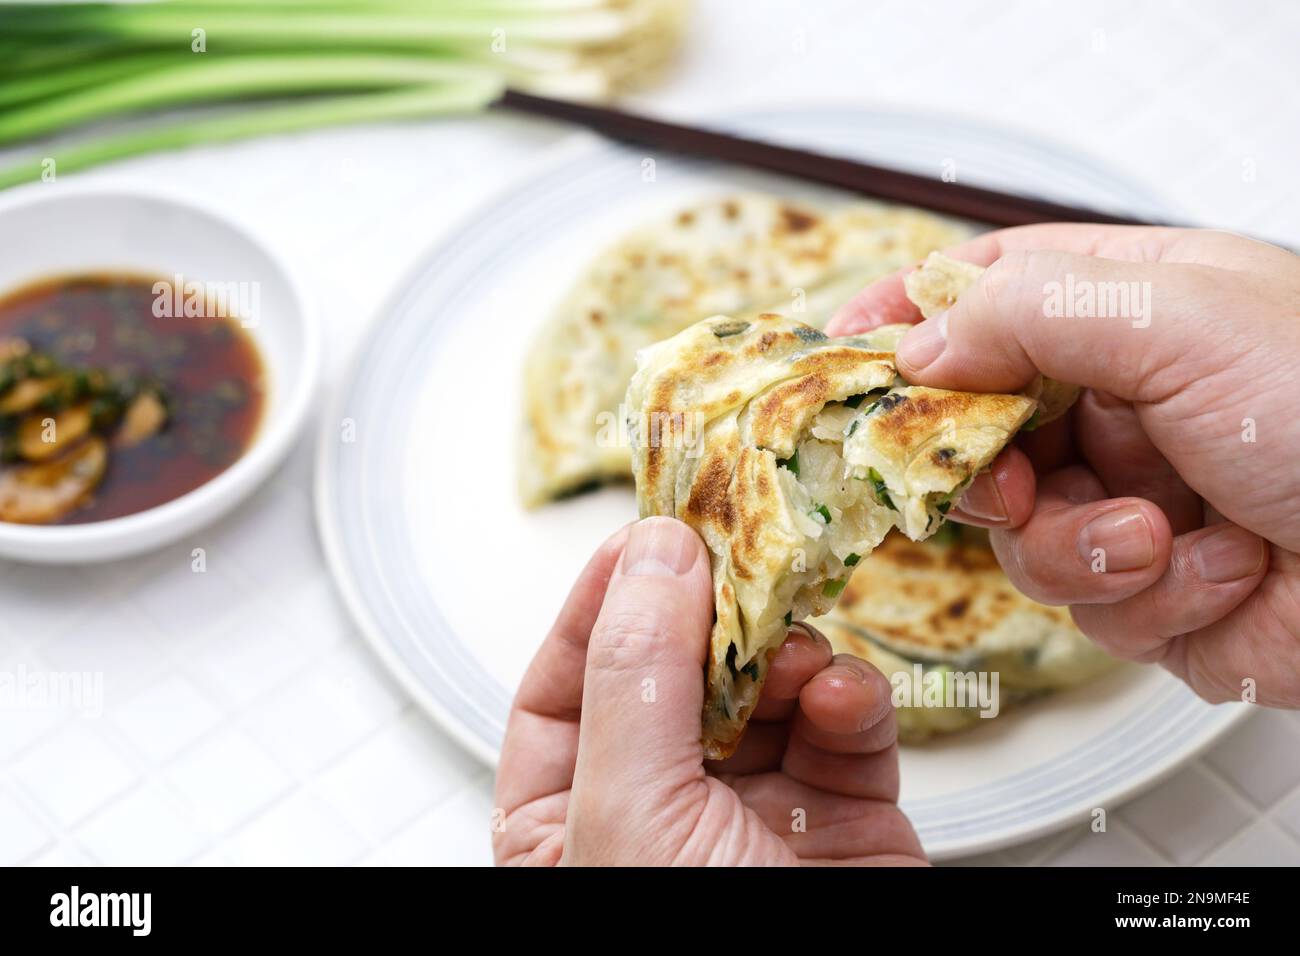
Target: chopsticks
x=954 y=199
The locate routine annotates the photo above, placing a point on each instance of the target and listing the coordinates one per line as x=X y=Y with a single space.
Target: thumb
x=1133 y=329
x=644 y=689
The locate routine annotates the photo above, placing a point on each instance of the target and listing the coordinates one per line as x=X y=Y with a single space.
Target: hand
x=1163 y=509
x=602 y=762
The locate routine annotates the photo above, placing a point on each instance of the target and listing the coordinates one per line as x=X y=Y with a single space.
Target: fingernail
x=659 y=547
x=1122 y=539
x=806 y=631
x=799 y=629
x=846 y=673
x=983 y=500
x=925 y=343
x=1229 y=554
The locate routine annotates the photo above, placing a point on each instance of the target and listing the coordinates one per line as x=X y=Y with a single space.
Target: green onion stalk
x=208 y=71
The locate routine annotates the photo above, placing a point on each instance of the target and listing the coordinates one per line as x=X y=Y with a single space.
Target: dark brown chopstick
x=967 y=202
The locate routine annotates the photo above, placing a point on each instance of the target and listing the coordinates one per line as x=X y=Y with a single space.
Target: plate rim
x=327 y=453
x=567 y=150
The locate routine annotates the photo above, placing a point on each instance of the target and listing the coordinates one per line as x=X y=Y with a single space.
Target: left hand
x=602 y=762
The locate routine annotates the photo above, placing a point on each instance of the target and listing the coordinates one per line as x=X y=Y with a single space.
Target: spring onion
x=832 y=589
x=242 y=68
x=880 y=488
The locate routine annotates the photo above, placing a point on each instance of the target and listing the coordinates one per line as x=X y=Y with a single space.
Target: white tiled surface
x=243 y=721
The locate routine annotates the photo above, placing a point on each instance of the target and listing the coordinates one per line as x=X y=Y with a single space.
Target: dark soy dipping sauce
x=209 y=366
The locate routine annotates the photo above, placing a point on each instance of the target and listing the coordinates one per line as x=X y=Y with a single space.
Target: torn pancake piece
x=920 y=447
x=792 y=455
x=935 y=288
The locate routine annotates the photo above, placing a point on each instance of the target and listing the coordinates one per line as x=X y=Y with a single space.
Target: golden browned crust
x=945 y=603
x=954 y=595
x=912 y=422
x=925 y=444
x=717 y=414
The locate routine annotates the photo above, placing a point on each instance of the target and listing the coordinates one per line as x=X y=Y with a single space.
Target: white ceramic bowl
x=59 y=228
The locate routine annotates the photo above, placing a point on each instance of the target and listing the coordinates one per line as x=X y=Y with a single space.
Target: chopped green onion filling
x=823 y=511
x=855 y=401
x=832 y=589
x=791 y=464
x=882 y=493
x=851 y=560
x=944 y=502
x=789 y=618
x=727 y=329
x=948 y=534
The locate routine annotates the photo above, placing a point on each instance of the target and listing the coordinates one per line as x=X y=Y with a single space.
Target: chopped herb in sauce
x=107 y=408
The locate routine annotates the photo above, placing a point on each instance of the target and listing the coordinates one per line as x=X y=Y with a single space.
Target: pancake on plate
x=792 y=455
x=944 y=606
x=739 y=255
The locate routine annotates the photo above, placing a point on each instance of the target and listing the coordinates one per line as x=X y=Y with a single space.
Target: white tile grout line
x=1256 y=812
x=156 y=775
x=304 y=785
x=1138 y=837
x=1060 y=841
x=146 y=774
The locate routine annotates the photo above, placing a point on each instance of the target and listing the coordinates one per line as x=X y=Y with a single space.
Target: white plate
x=454 y=584
x=61 y=228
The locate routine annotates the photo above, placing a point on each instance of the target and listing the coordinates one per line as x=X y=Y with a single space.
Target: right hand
x=1180 y=464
